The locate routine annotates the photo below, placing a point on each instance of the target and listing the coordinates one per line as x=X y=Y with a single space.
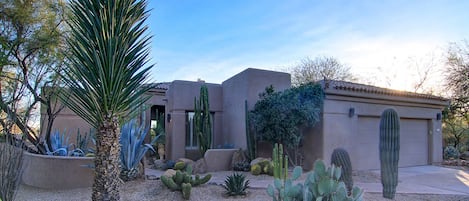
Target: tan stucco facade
x=350 y=118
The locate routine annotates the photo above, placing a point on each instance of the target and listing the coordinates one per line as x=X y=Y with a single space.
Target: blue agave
x=133 y=149
x=61 y=147
x=59 y=144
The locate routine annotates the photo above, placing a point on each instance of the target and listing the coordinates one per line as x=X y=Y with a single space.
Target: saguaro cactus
x=389 y=131
x=340 y=158
x=202 y=121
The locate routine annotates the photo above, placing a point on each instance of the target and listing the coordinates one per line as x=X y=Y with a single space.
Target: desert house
x=350 y=118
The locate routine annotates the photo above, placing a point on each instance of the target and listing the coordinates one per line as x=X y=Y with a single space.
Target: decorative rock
x=258 y=160
x=152 y=177
x=159 y=164
x=219 y=159
x=186 y=161
x=199 y=167
x=169 y=173
x=465 y=155
x=238 y=157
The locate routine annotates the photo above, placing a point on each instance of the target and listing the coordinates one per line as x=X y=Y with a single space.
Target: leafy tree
x=456 y=121
x=31 y=55
x=105 y=79
x=319 y=68
x=456 y=125
x=282 y=117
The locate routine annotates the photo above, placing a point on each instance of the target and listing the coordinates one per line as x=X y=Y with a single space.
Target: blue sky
x=215 y=39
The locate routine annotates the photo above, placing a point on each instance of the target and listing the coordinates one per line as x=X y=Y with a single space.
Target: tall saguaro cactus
x=389 y=134
x=202 y=121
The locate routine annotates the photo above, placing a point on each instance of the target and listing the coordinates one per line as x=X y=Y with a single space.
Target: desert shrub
x=11 y=160
x=242 y=166
x=450 y=153
x=283 y=116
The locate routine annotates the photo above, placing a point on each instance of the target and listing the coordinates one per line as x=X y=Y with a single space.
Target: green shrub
x=236 y=184
x=242 y=166
x=450 y=153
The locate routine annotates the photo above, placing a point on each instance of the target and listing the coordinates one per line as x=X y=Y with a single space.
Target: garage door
x=414 y=143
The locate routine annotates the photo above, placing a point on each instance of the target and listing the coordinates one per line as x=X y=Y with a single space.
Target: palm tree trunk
x=106 y=179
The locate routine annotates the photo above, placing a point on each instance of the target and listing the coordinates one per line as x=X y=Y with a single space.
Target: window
x=191 y=137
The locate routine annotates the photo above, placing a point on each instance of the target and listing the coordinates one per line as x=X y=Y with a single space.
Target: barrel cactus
x=389 y=131
x=340 y=158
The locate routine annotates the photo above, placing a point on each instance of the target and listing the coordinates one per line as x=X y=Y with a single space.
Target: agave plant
x=59 y=144
x=236 y=184
x=133 y=149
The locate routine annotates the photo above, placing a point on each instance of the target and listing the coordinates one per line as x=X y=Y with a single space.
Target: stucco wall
x=69 y=122
x=180 y=97
x=246 y=85
x=341 y=130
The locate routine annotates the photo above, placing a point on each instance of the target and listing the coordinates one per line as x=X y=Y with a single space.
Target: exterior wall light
x=351 y=112
x=168 y=117
x=438 y=116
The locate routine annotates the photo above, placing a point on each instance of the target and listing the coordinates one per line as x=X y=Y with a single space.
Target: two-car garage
x=414 y=146
x=350 y=120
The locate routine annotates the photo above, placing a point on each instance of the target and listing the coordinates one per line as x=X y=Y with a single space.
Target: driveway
x=426 y=180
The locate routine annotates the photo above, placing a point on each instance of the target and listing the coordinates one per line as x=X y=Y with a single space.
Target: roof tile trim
x=355 y=87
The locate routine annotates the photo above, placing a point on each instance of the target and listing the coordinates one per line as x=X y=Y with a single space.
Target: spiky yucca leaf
x=236 y=184
x=109 y=51
x=105 y=78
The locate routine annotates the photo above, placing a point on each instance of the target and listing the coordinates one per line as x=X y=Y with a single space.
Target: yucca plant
x=236 y=184
x=133 y=149
x=105 y=77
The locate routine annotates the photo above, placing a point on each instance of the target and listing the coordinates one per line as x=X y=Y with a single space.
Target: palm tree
x=105 y=79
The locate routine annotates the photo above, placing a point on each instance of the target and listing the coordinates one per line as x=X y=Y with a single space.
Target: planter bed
x=57 y=172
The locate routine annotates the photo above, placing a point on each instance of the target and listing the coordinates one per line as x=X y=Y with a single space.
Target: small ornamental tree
x=281 y=117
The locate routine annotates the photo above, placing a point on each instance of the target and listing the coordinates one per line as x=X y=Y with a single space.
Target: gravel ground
x=152 y=190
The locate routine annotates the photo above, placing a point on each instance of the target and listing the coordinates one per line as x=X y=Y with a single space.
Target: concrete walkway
x=417 y=180
x=427 y=180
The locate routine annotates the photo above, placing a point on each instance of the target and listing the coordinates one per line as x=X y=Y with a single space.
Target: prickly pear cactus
x=340 y=158
x=389 y=131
